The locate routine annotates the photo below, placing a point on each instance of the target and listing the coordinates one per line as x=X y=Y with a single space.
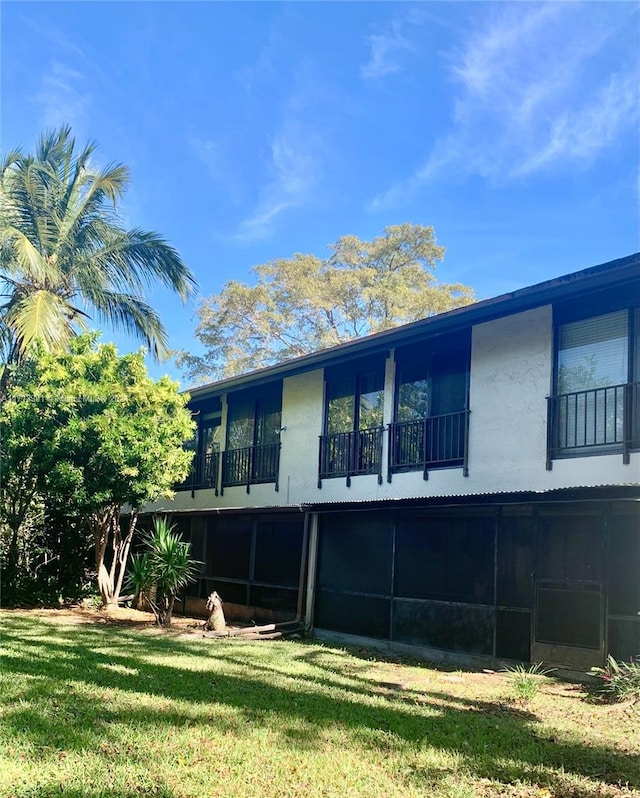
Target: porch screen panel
x=354 y=573
x=357 y=615
x=513 y=635
x=229 y=546
x=624 y=566
x=278 y=551
x=569 y=580
x=452 y=627
x=624 y=639
x=515 y=562
x=355 y=553
x=570 y=549
x=446 y=558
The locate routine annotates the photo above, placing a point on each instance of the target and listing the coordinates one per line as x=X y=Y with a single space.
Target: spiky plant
x=170 y=566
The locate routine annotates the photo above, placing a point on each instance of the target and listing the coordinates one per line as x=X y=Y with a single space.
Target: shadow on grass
x=68 y=670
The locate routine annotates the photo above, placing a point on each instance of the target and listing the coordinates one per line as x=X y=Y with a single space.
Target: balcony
x=434 y=442
x=203 y=472
x=596 y=421
x=251 y=465
x=348 y=454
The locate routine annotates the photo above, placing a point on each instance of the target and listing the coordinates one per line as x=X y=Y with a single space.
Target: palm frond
x=44 y=316
x=133 y=315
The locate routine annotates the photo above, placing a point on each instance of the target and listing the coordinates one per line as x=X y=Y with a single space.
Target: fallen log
x=266 y=632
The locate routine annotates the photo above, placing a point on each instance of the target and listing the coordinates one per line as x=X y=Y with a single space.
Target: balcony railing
x=347 y=454
x=592 y=421
x=203 y=473
x=434 y=442
x=251 y=465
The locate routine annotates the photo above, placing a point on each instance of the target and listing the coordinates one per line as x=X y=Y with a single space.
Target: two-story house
x=465 y=485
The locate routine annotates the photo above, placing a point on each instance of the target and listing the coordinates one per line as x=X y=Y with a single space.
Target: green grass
x=103 y=710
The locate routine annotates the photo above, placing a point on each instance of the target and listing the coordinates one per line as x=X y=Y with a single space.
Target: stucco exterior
x=510 y=378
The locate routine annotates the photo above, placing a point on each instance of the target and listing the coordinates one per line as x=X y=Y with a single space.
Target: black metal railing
x=598 y=419
x=251 y=465
x=434 y=442
x=203 y=472
x=347 y=454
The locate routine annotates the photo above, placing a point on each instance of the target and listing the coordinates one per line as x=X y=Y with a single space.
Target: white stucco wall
x=511 y=370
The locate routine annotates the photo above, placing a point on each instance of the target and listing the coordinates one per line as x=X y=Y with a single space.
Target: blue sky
x=257 y=130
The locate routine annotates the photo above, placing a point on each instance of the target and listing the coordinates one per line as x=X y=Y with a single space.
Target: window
x=352 y=443
x=430 y=427
x=596 y=399
x=252 y=452
x=205 y=445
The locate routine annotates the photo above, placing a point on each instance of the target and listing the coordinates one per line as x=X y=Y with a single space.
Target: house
x=466 y=486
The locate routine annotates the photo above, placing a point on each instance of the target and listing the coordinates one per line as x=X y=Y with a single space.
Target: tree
x=164 y=567
x=64 y=253
x=301 y=304
x=87 y=433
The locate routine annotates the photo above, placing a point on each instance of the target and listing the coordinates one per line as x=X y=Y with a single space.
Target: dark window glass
x=340 y=405
x=354 y=402
x=431 y=385
x=371 y=398
x=240 y=424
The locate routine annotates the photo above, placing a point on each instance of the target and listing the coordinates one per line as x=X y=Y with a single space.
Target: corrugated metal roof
x=628 y=491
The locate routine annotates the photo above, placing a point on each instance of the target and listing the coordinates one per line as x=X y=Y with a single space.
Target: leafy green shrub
x=620 y=681
x=526 y=679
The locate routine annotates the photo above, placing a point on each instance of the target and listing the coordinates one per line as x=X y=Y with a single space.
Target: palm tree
x=65 y=255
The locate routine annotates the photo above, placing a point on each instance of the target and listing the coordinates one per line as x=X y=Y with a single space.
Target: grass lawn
x=90 y=707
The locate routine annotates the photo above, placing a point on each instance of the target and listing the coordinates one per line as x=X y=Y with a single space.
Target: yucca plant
x=168 y=568
x=140 y=580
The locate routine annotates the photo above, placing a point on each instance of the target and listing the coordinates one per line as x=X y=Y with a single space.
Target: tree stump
x=216 y=620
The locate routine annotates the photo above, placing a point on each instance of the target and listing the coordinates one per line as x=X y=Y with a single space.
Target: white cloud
x=536 y=87
x=293 y=167
x=385 y=49
x=64 y=97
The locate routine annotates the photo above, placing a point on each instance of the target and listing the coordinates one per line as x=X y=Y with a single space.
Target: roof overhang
x=606 y=275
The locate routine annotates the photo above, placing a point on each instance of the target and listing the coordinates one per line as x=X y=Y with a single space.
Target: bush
x=620 y=681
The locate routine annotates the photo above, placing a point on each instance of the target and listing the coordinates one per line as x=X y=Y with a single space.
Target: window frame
x=593 y=306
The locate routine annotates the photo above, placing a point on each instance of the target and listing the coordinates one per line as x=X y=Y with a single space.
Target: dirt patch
x=121 y=616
